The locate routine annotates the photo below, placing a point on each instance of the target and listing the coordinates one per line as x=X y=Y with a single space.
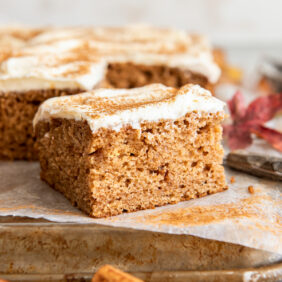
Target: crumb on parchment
x=232 y=179
x=251 y=189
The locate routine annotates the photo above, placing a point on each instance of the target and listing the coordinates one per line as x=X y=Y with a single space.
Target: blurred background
x=247 y=29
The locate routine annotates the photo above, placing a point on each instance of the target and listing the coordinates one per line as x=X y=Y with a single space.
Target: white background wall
x=248 y=29
x=233 y=22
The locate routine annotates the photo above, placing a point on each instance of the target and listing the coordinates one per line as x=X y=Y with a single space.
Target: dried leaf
x=263 y=109
x=273 y=137
x=237 y=107
x=251 y=119
x=238 y=137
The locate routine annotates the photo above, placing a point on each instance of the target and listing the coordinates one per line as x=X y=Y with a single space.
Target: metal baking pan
x=38 y=250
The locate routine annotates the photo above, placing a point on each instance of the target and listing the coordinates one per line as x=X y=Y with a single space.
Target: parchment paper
x=234 y=216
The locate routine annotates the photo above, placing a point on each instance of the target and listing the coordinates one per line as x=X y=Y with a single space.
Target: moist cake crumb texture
x=106 y=167
x=16 y=114
x=129 y=75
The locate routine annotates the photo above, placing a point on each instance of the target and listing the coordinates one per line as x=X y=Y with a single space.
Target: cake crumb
x=251 y=189
x=232 y=179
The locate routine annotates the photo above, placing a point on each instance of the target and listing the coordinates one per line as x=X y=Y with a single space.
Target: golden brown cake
x=111 y=151
x=64 y=61
x=108 y=273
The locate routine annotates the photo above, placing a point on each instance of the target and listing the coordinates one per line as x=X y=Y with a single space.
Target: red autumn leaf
x=233 y=133
x=251 y=119
x=236 y=106
x=273 y=137
x=263 y=109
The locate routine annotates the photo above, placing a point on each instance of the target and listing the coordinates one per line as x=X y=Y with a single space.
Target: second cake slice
x=112 y=151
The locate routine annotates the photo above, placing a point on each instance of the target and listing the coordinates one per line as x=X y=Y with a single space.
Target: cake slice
x=111 y=151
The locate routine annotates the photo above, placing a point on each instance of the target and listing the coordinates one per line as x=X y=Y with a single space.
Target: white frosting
x=19 y=31
x=115 y=108
x=57 y=34
x=9 y=42
x=56 y=47
x=15 y=37
x=35 y=72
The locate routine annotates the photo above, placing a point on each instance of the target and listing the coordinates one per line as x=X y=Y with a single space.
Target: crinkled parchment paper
x=234 y=216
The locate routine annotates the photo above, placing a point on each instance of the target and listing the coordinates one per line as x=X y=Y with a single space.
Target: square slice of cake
x=111 y=151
